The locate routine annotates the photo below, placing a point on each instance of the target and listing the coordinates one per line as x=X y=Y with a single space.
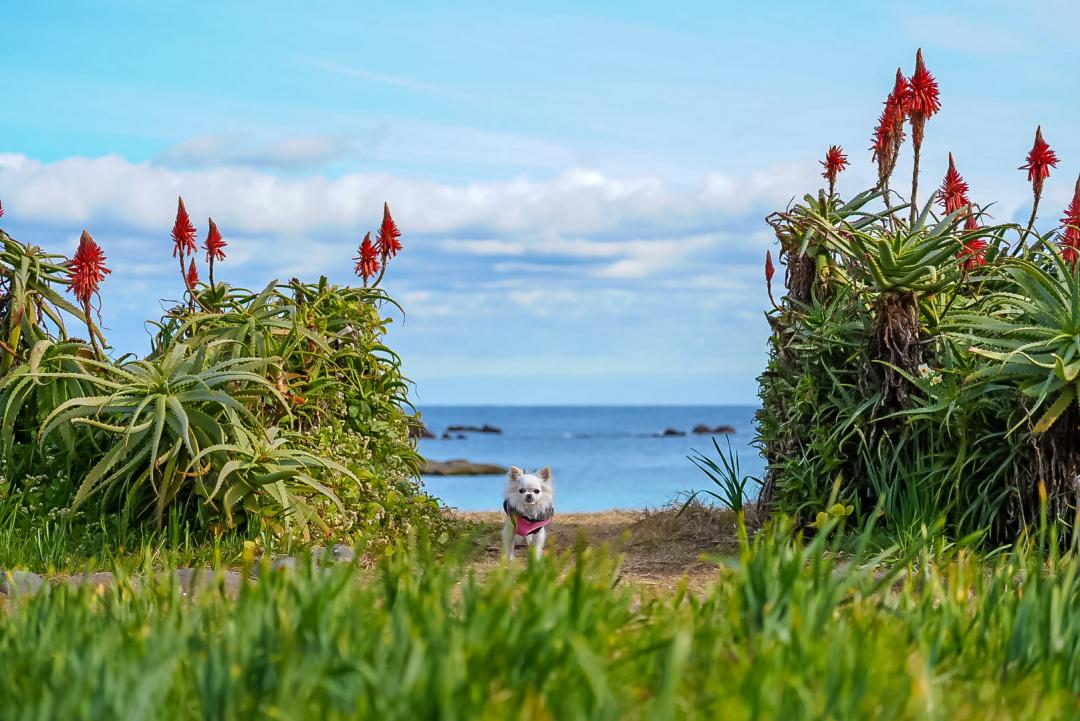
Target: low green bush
x=279 y=410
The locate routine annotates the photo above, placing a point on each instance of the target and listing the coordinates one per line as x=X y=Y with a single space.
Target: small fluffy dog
x=529 y=504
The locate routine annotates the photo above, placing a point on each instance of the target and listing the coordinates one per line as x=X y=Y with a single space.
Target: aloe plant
x=154 y=418
x=29 y=299
x=264 y=464
x=1032 y=333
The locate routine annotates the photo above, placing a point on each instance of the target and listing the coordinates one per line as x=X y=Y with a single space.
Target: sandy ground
x=658 y=547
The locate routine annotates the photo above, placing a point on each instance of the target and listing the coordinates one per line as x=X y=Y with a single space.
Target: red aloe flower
x=1070 y=237
x=889 y=132
x=835 y=161
x=214 y=245
x=367 y=262
x=973 y=253
x=86 y=269
x=921 y=102
x=1039 y=161
x=183 y=232
x=954 y=189
x=191 y=279
x=922 y=98
x=770 y=271
x=1 y=209
x=388 y=238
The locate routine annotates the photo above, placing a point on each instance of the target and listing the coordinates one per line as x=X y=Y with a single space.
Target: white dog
x=529 y=504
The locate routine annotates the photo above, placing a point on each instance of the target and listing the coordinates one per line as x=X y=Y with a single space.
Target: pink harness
x=522 y=525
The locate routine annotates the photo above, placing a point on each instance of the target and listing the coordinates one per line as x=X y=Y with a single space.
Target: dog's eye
x=521 y=490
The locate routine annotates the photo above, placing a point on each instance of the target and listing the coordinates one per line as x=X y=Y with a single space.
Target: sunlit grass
x=788 y=631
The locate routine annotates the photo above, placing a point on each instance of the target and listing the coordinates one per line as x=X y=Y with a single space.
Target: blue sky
x=581 y=188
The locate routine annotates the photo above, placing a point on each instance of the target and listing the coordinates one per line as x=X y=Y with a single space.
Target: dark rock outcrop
x=671 y=433
x=474 y=429
x=702 y=429
x=461 y=467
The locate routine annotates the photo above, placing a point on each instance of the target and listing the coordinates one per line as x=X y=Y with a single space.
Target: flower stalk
x=86 y=269
x=922 y=102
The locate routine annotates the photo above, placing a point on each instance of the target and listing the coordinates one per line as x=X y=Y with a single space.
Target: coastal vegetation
x=924 y=358
x=250 y=485
x=277 y=412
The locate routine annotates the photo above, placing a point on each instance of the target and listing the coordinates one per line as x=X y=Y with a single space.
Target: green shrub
x=923 y=364
x=279 y=409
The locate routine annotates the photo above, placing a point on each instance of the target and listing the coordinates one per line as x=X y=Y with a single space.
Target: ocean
x=602 y=457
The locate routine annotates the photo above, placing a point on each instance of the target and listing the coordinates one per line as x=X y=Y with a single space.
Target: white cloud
x=143 y=196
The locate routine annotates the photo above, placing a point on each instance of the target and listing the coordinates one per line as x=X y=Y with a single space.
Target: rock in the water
x=17 y=583
x=474 y=429
x=702 y=429
x=671 y=433
x=420 y=431
x=461 y=467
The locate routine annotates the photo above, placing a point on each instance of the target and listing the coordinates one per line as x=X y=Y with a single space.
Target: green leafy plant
x=731 y=484
x=926 y=360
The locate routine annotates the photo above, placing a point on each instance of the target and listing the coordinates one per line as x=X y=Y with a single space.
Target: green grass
x=789 y=631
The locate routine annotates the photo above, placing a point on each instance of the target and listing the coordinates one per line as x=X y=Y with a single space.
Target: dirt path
x=658 y=547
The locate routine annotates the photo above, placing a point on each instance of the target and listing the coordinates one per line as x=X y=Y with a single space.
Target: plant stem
x=915 y=183
x=90 y=327
x=211 y=272
x=382 y=271
x=1030 y=223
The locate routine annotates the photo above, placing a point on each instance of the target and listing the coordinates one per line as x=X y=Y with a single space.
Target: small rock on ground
x=17 y=583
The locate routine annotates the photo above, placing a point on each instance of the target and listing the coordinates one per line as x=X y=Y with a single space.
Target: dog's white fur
x=533 y=496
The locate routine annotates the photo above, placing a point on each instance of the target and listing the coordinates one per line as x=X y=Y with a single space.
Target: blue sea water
x=603 y=457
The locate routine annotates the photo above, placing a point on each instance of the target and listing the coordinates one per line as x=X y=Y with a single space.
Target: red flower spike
x=214 y=245
x=1039 y=161
x=183 y=232
x=367 y=262
x=388 y=239
x=973 y=254
x=922 y=97
x=1070 y=236
x=835 y=161
x=889 y=133
x=1 y=209
x=191 y=279
x=954 y=189
x=86 y=269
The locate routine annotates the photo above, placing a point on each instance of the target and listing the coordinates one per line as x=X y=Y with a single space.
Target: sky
x=581 y=187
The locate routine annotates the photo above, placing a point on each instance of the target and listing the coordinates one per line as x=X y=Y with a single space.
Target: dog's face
x=530 y=492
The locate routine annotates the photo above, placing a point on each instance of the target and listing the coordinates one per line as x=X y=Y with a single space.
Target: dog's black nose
x=528 y=497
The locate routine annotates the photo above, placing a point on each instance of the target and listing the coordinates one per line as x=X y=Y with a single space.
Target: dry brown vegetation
x=658 y=547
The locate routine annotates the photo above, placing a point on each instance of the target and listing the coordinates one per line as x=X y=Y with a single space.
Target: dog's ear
x=515 y=473
x=544 y=474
